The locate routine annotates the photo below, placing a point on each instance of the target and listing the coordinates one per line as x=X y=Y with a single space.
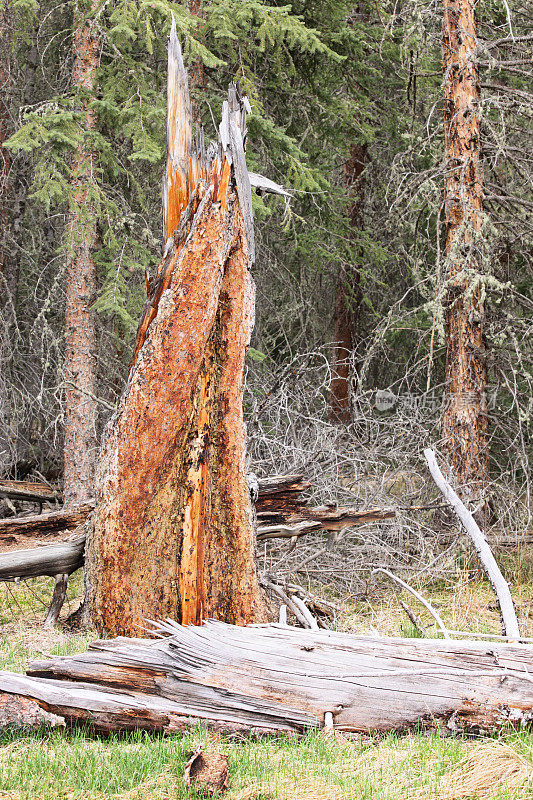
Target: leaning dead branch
x=499 y=584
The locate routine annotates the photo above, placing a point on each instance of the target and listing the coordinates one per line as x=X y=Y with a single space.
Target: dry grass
x=468 y=604
x=487 y=770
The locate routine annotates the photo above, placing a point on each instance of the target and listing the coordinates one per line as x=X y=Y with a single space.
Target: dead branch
x=499 y=584
x=434 y=613
x=52 y=559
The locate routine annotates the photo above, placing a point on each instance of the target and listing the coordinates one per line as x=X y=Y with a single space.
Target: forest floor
x=74 y=765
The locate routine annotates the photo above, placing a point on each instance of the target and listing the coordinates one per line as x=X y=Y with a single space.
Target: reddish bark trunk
x=349 y=295
x=464 y=422
x=172 y=533
x=80 y=325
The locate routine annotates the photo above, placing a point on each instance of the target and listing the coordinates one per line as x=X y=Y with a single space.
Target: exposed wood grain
x=285 y=679
x=29 y=491
x=172 y=533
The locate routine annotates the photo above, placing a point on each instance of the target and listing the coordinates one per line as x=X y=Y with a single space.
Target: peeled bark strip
x=172 y=533
x=280 y=679
x=465 y=421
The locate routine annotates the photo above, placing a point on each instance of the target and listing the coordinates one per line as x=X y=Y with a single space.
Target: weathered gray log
x=49 y=559
x=275 y=678
x=48 y=524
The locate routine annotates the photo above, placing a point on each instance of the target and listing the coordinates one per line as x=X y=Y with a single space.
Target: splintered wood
x=275 y=679
x=172 y=533
x=28 y=544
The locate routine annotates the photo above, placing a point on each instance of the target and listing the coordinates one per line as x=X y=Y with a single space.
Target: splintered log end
x=17 y=711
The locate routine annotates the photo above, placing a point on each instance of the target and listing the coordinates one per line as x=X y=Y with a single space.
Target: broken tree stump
x=275 y=679
x=172 y=533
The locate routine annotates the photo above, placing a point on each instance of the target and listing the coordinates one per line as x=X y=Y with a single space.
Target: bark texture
x=348 y=296
x=465 y=422
x=80 y=324
x=284 y=680
x=172 y=533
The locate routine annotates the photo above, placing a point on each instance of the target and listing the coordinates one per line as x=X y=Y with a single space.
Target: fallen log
x=264 y=679
x=281 y=514
x=61 y=558
x=29 y=492
x=48 y=524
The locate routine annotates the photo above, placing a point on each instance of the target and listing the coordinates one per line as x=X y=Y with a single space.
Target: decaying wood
x=58 y=598
x=207 y=772
x=172 y=533
x=278 y=503
x=29 y=491
x=48 y=524
x=281 y=679
x=282 y=512
x=308 y=520
x=20 y=711
x=492 y=570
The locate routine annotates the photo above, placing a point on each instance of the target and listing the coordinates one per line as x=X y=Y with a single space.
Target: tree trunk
x=80 y=345
x=349 y=295
x=464 y=422
x=172 y=534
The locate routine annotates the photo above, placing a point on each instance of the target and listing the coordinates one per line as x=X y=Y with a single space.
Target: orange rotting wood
x=192 y=590
x=172 y=531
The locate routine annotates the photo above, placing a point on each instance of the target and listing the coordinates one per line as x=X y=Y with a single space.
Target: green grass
x=74 y=765
x=58 y=764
